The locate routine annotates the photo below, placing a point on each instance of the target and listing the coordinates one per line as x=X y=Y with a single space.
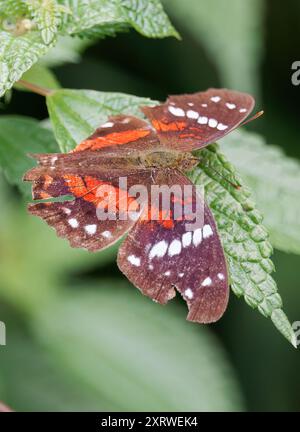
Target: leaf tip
x=282 y=323
x=176 y=34
x=294 y=340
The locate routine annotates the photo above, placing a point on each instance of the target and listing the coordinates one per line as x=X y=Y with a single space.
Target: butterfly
x=159 y=255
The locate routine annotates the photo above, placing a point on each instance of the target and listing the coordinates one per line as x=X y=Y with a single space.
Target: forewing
x=123 y=131
x=159 y=257
x=192 y=121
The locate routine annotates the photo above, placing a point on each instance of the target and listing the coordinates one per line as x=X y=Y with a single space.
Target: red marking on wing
x=89 y=189
x=189 y=135
x=48 y=181
x=161 y=216
x=168 y=127
x=112 y=139
x=44 y=195
x=79 y=188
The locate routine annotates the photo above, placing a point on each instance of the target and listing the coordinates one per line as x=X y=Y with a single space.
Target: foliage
x=69 y=314
x=236 y=40
x=275 y=181
x=28 y=29
x=76 y=113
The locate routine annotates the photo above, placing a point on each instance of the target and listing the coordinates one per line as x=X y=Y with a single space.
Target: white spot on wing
x=212 y=123
x=181 y=275
x=186 y=239
x=192 y=114
x=126 y=120
x=207 y=281
x=174 y=248
x=207 y=231
x=230 y=106
x=90 y=229
x=243 y=110
x=106 y=234
x=73 y=223
x=107 y=125
x=221 y=276
x=202 y=120
x=188 y=293
x=159 y=249
x=167 y=273
x=204 y=105
x=197 y=237
x=222 y=127
x=190 y=104
x=151 y=267
x=215 y=99
x=66 y=210
x=178 y=112
x=53 y=160
x=136 y=261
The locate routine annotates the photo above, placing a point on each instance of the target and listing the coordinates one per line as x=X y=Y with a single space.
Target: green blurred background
x=79 y=336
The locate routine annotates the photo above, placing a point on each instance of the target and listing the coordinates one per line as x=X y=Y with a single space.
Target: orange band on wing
x=168 y=127
x=161 y=216
x=48 y=181
x=85 y=188
x=114 y=138
x=89 y=189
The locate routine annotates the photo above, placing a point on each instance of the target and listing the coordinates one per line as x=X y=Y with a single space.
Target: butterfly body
x=183 y=161
x=165 y=250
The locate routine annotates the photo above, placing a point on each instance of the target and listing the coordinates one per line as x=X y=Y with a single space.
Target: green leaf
x=12 y=8
x=231 y=32
x=102 y=31
x=67 y=49
x=275 y=181
x=47 y=15
x=34 y=381
x=244 y=238
x=87 y=14
x=125 y=347
x=17 y=55
x=25 y=39
x=75 y=114
x=39 y=75
x=18 y=137
x=146 y=16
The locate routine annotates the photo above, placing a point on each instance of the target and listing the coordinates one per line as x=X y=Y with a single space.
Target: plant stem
x=35 y=88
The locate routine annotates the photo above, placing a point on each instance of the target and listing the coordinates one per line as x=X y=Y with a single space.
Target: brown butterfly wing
x=121 y=133
x=162 y=256
x=192 y=121
x=84 y=220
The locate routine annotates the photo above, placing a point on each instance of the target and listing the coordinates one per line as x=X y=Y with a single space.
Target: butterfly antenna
x=256 y=116
x=236 y=186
